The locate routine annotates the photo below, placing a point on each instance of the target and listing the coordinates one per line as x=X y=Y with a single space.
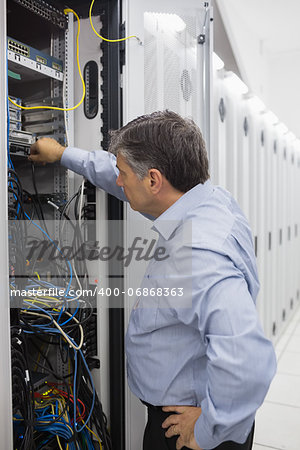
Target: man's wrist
x=60 y=151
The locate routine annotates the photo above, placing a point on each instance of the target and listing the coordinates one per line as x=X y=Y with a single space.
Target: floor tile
x=277 y=426
x=297 y=330
x=293 y=345
x=285 y=390
x=289 y=363
x=278 y=352
x=262 y=447
x=283 y=341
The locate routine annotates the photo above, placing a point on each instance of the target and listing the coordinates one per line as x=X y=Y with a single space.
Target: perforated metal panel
x=151 y=76
x=170 y=64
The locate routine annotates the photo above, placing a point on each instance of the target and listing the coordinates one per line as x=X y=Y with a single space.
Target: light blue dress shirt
x=206 y=347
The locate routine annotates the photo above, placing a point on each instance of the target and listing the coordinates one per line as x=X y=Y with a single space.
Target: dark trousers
x=154 y=435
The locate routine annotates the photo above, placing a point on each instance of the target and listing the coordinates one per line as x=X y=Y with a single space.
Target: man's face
x=137 y=191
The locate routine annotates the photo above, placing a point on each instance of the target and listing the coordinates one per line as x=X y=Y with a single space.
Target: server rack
x=54 y=32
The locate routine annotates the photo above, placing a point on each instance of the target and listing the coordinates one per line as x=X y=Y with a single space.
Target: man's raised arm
x=99 y=166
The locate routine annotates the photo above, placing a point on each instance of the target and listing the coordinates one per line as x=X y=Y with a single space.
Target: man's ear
x=155 y=179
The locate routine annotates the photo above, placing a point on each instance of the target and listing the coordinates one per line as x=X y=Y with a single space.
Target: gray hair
x=165 y=141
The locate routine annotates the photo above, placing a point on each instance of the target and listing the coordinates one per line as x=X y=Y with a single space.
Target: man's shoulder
x=214 y=219
x=218 y=224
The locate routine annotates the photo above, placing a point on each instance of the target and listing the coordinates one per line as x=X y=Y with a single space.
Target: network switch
x=45 y=11
x=23 y=57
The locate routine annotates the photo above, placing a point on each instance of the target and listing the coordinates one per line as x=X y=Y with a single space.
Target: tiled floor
x=278 y=420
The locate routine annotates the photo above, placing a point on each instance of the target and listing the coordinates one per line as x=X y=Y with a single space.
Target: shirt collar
x=169 y=220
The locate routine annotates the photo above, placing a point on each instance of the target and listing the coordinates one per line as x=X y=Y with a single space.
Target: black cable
x=37 y=196
x=45 y=358
x=20 y=203
x=22 y=389
x=83 y=316
x=68 y=400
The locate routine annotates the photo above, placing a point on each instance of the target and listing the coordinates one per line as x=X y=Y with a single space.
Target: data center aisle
x=278 y=420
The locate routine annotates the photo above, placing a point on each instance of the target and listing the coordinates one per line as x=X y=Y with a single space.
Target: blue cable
x=40 y=309
x=88 y=439
x=51 y=240
x=9 y=161
x=74 y=391
x=71 y=317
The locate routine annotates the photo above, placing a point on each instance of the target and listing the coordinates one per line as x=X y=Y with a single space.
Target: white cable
x=81 y=202
x=59 y=327
x=76 y=276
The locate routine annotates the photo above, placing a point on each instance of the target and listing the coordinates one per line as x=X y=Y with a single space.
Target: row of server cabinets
x=257 y=159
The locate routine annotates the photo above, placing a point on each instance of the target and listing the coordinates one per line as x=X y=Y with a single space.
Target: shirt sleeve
x=240 y=361
x=99 y=167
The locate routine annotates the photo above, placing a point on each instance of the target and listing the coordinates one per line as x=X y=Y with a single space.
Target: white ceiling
x=263 y=41
x=275 y=22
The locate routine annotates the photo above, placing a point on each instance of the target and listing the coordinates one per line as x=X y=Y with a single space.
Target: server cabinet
x=169 y=68
x=218 y=159
x=42 y=70
x=5 y=376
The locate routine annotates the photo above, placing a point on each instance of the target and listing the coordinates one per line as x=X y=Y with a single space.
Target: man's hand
x=46 y=150
x=182 y=425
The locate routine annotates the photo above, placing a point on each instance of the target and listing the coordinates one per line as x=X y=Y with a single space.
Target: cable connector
x=53 y=204
x=27 y=377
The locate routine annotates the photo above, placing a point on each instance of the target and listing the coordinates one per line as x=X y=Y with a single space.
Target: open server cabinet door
x=5 y=358
x=167 y=68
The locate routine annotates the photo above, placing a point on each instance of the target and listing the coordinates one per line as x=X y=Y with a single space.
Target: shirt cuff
x=204 y=438
x=207 y=441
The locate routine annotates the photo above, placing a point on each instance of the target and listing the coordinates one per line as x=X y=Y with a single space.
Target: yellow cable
x=38 y=277
x=99 y=35
x=58 y=441
x=57 y=438
x=66 y=11
x=97 y=437
x=38 y=358
x=34 y=301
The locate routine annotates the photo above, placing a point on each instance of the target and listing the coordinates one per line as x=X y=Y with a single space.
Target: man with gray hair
x=202 y=367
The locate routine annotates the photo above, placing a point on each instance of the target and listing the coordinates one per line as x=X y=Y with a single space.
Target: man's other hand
x=182 y=424
x=46 y=150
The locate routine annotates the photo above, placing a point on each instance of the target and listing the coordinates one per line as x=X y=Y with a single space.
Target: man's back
x=205 y=347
